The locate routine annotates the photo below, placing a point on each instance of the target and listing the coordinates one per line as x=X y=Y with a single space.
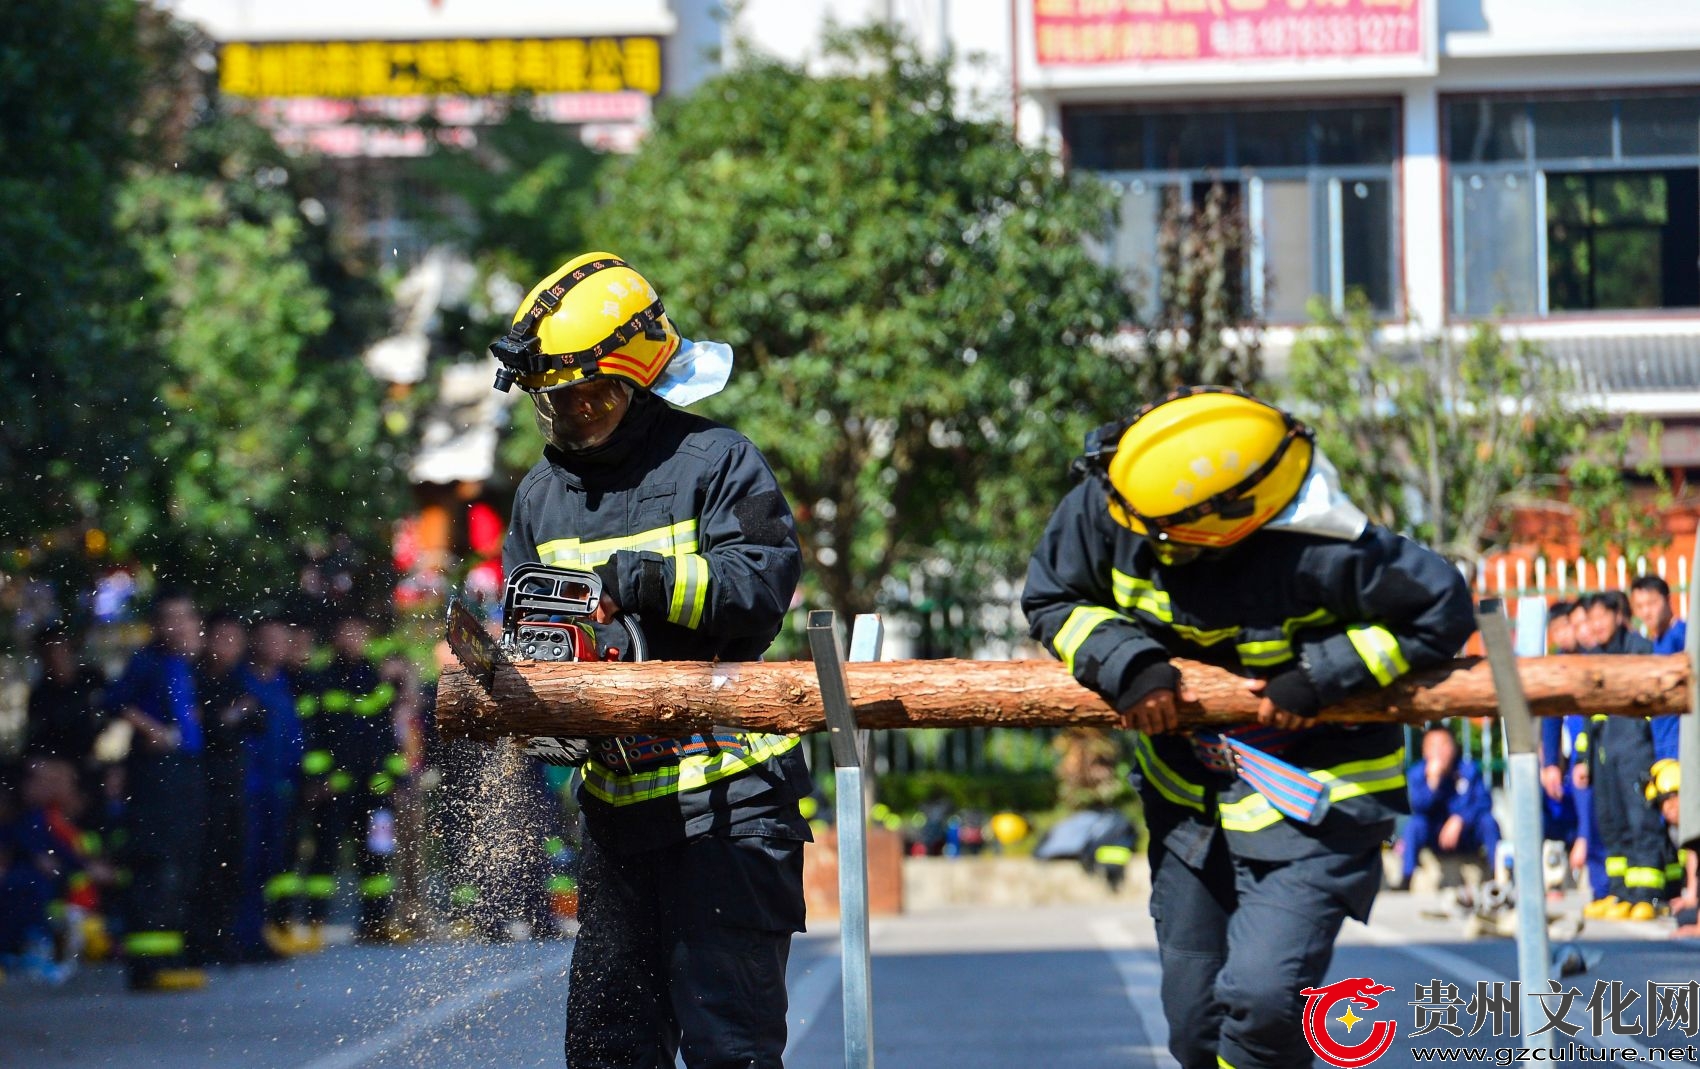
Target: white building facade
x=1532 y=161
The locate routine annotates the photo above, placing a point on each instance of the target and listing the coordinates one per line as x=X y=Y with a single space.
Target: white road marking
x=1141 y=976
x=369 y=1048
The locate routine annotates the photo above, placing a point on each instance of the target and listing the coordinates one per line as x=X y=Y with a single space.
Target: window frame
x=1324 y=261
x=1534 y=169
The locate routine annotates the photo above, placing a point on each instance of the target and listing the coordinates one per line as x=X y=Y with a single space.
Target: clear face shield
x=581 y=416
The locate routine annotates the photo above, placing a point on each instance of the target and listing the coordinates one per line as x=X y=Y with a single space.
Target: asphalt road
x=984 y=988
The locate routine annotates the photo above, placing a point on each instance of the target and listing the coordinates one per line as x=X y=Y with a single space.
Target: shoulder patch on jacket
x=764 y=519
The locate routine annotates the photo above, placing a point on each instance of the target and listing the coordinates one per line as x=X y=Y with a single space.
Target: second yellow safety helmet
x=1665 y=778
x=1206 y=466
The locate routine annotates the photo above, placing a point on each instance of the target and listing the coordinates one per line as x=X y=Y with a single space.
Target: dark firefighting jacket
x=349 y=731
x=1351 y=616
x=683 y=519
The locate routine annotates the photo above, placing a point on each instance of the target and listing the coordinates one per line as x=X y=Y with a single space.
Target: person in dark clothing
x=164 y=815
x=351 y=767
x=690 y=882
x=1621 y=751
x=230 y=717
x=1451 y=809
x=1209 y=527
x=65 y=714
x=272 y=795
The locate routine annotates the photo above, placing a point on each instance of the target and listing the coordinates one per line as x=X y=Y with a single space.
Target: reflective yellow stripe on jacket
x=691 y=773
x=1165 y=780
x=679 y=541
x=1075 y=630
x=690 y=590
x=1354 y=779
x=1269 y=652
x=669 y=541
x=1380 y=652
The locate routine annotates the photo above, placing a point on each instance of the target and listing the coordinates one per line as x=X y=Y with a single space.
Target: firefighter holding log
x=1209 y=527
x=690 y=885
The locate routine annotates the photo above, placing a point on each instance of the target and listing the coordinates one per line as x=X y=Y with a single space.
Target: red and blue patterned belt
x=631 y=754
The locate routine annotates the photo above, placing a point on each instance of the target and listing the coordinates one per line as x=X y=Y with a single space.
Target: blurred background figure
x=271 y=795
x=351 y=768
x=164 y=817
x=230 y=718
x=1649 y=601
x=1451 y=808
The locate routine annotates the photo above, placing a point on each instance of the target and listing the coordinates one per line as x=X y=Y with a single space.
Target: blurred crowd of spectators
x=239 y=784
x=1610 y=784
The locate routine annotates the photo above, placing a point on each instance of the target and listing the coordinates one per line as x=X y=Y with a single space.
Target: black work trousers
x=1632 y=833
x=683 y=950
x=346 y=817
x=218 y=890
x=163 y=824
x=1239 y=940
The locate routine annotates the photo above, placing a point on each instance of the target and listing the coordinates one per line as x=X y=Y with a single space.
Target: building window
x=1574 y=205
x=1315 y=184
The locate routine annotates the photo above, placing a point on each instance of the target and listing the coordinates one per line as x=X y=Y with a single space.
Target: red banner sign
x=1077 y=32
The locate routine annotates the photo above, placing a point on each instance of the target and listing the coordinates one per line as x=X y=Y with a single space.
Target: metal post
x=1524 y=780
x=852 y=823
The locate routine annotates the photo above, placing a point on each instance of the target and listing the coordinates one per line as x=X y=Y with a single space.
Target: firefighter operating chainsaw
x=690 y=876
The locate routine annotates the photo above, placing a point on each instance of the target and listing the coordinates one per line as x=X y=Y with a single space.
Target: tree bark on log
x=783 y=697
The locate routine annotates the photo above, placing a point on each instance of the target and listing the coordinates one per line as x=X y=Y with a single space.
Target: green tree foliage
x=1436 y=438
x=1201 y=329
x=206 y=408
x=917 y=321
x=66 y=70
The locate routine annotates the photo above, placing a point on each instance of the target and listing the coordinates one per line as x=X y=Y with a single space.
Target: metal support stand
x=852 y=822
x=1523 y=779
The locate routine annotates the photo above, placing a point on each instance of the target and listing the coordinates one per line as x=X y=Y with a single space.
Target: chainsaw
x=548 y=614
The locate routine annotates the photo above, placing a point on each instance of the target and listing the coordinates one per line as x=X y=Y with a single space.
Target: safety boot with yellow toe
x=169 y=980
x=280 y=939
x=1601 y=908
x=1642 y=911
x=309 y=938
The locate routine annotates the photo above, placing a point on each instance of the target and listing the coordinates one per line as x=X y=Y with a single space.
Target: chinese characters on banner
x=344 y=69
x=1072 y=32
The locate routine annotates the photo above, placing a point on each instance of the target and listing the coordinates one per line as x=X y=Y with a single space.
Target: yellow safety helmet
x=1206 y=466
x=1009 y=828
x=1666 y=779
x=595 y=316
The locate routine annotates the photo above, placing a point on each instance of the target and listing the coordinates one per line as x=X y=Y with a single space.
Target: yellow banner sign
x=481 y=67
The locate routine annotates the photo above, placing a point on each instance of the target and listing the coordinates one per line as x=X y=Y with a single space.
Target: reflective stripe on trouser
x=1634 y=836
x=153 y=944
x=1239 y=940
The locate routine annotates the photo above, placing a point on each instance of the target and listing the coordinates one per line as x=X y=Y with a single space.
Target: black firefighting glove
x=1293 y=692
x=1156 y=674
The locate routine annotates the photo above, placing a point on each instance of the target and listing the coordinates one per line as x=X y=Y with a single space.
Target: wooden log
x=783 y=697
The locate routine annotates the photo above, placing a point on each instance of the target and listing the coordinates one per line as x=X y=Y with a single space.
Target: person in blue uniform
x=1451 y=809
